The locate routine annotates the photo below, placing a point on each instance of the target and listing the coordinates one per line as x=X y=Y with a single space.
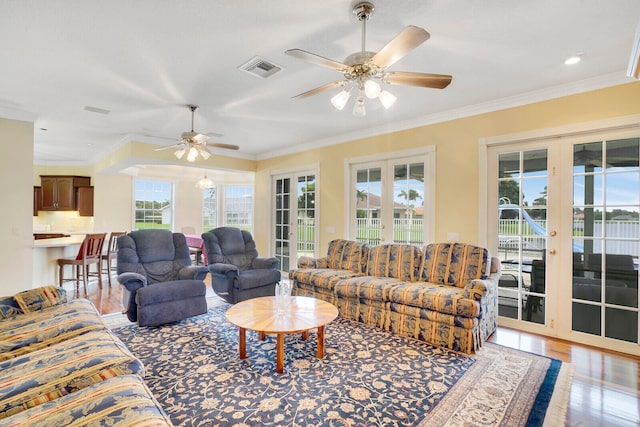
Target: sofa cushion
x=39 y=298
x=9 y=307
x=324 y=278
x=347 y=255
x=119 y=401
x=422 y=295
x=395 y=261
x=454 y=264
x=28 y=332
x=52 y=372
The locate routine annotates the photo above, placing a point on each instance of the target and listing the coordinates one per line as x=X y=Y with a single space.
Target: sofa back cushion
x=454 y=264
x=347 y=255
x=394 y=260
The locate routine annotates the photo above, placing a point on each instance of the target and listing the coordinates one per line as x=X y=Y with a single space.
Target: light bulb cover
x=179 y=153
x=341 y=98
x=359 y=108
x=192 y=155
x=204 y=153
x=387 y=99
x=371 y=89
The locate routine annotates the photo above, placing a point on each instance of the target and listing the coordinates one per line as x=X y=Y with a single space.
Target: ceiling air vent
x=260 y=67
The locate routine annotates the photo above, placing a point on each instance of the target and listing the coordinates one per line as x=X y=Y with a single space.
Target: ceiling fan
x=365 y=69
x=193 y=143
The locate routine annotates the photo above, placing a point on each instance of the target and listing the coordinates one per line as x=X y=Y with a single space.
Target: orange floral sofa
x=445 y=294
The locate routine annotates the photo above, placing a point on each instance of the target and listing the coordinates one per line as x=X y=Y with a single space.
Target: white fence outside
x=622 y=237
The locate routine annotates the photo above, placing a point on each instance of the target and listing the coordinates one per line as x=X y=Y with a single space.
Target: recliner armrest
x=221 y=268
x=261 y=263
x=132 y=281
x=193 y=272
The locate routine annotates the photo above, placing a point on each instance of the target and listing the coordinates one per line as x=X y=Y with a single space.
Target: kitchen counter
x=59 y=241
x=45 y=258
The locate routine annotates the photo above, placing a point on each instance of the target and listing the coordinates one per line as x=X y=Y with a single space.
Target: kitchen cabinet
x=84 y=197
x=37 y=198
x=59 y=193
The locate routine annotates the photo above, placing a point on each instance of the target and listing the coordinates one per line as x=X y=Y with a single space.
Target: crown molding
x=600 y=82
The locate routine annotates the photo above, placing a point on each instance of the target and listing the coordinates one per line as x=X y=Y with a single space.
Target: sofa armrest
x=224 y=269
x=193 y=272
x=478 y=288
x=132 y=281
x=265 y=263
x=308 y=262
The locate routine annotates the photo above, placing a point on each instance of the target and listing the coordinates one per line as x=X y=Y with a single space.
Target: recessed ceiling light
x=573 y=59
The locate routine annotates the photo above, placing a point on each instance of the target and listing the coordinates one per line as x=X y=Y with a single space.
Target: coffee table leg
x=261 y=336
x=305 y=335
x=320 y=342
x=280 y=353
x=242 y=343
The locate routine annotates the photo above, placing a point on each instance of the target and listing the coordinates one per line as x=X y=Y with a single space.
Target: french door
x=391 y=201
x=294 y=217
x=564 y=219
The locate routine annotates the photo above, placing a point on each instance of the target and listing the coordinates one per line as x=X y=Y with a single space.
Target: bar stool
x=111 y=253
x=90 y=252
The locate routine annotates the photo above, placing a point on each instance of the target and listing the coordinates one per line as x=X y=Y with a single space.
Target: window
x=153 y=201
x=238 y=206
x=209 y=208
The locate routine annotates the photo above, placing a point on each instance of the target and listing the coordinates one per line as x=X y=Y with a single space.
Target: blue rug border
x=537 y=414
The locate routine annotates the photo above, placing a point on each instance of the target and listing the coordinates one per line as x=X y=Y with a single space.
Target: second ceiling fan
x=193 y=143
x=366 y=69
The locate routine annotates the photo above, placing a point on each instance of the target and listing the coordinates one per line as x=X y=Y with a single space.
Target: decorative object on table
x=90 y=252
x=367 y=375
x=283 y=296
x=237 y=272
x=159 y=283
x=364 y=71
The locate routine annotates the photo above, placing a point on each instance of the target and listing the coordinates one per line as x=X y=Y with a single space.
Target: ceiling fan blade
x=316 y=59
x=405 y=78
x=220 y=145
x=178 y=145
x=407 y=40
x=320 y=89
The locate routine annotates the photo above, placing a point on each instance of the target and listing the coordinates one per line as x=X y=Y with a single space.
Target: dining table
x=196 y=241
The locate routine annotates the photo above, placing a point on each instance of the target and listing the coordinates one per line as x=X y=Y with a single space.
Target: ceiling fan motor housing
x=363 y=10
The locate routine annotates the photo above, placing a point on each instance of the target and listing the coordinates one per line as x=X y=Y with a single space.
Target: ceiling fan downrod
x=363 y=11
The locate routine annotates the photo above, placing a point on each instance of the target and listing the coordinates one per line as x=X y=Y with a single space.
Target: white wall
x=16 y=235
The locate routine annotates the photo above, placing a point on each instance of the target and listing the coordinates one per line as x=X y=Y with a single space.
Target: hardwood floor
x=605 y=389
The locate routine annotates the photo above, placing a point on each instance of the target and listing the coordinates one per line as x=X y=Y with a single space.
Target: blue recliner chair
x=160 y=284
x=237 y=273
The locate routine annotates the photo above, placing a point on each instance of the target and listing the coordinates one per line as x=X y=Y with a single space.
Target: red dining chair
x=90 y=253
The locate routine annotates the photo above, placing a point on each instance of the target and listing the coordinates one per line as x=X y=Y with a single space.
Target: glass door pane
x=606 y=238
x=283 y=222
x=408 y=210
x=306 y=223
x=368 y=202
x=522 y=234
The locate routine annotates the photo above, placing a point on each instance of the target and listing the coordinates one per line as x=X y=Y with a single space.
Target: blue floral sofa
x=60 y=365
x=445 y=294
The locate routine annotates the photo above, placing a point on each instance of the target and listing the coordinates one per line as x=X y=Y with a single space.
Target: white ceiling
x=144 y=60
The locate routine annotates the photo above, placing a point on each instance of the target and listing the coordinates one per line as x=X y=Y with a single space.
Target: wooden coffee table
x=260 y=314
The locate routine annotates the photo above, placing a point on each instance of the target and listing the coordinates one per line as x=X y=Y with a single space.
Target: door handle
x=552 y=251
x=553 y=233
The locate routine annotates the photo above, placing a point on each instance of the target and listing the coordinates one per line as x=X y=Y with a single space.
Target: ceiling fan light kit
x=367 y=71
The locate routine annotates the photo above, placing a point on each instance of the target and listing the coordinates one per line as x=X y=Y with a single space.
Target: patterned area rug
x=367 y=378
